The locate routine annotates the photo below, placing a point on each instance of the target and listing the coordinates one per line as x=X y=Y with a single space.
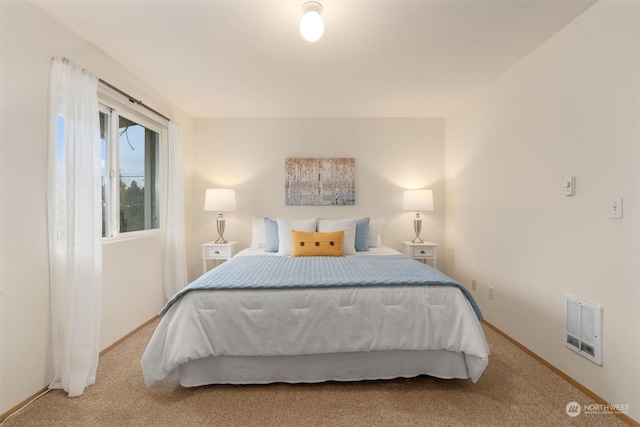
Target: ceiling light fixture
x=311 y=23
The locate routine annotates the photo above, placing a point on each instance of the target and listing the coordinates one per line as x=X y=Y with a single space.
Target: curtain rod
x=132 y=99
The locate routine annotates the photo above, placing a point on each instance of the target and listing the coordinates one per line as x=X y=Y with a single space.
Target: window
x=130 y=172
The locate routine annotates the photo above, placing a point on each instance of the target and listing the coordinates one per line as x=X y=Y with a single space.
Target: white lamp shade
x=311 y=23
x=221 y=200
x=417 y=200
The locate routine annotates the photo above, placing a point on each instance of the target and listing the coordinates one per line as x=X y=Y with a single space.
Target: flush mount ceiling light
x=311 y=23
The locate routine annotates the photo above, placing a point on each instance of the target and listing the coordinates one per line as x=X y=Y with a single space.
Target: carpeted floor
x=515 y=390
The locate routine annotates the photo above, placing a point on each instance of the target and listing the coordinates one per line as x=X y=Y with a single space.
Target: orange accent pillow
x=308 y=243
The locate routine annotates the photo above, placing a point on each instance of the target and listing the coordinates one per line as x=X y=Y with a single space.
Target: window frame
x=111 y=103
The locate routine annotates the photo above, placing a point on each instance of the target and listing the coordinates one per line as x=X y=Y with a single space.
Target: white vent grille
x=583 y=328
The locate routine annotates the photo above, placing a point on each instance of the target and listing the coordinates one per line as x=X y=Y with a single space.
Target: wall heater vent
x=583 y=328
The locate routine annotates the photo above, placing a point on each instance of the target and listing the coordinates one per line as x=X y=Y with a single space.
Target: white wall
x=569 y=108
x=248 y=155
x=132 y=269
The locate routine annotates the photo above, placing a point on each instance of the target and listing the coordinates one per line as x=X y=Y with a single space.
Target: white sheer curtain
x=175 y=259
x=75 y=226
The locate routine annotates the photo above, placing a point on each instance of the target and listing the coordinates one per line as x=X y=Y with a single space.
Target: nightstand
x=217 y=251
x=421 y=251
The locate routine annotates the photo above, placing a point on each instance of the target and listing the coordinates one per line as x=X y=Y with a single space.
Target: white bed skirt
x=322 y=367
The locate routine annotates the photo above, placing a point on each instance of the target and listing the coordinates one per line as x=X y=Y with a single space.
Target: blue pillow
x=362 y=235
x=271 y=227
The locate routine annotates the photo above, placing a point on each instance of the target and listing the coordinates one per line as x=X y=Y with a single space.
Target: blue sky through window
x=132 y=156
x=131 y=153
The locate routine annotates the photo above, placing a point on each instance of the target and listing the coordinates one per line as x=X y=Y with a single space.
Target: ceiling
x=377 y=58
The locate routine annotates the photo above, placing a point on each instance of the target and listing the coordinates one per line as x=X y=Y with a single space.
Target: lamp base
x=417 y=228
x=220 y=227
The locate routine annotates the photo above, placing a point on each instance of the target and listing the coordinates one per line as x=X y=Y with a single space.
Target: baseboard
x=22 y=404
x=561 y=374
x=145 y=324
x=28 y=400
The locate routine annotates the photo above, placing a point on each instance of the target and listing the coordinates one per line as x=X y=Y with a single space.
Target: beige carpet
x=515 y=390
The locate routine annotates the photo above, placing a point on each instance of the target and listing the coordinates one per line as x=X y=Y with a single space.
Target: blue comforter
x=282 y=272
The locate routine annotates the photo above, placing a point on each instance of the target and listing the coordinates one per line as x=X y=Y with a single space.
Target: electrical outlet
x=491 y=292
x=473 y=284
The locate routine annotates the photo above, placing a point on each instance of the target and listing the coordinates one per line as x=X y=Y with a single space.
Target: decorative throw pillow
x=346 y=225
x=306 y=243
x=362 y=234
x=284 y=231
x=271 y=232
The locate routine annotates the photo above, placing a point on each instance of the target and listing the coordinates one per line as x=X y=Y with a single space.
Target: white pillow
x=284 y=231
x=349 y=227
x=258 y=233
x=375 y=225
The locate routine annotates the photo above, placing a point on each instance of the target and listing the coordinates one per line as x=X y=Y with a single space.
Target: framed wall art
x=320 y=181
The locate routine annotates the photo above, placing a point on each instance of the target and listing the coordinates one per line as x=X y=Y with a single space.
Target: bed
x=265 y=317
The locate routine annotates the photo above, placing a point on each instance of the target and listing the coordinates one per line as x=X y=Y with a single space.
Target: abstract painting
x=320 y=181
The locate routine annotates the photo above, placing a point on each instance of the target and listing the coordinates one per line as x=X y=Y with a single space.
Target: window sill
x=133 y=235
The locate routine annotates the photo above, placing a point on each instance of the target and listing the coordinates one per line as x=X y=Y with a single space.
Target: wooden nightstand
x=217 y=251
x=421 y=251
